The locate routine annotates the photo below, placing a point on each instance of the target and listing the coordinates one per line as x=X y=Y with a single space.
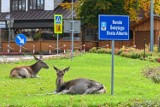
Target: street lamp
x=10 y=22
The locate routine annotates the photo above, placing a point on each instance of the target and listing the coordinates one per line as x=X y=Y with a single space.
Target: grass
x=130 y=84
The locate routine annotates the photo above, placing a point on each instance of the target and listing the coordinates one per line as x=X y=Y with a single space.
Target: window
x=18 y=5
x=131 y=34
x=91 y=35
x=36 y=4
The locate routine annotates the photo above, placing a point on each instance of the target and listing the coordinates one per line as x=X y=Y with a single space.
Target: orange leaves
x=140 y=8
x=66 y=5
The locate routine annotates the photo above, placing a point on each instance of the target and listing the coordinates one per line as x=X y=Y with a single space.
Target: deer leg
x=17 y=77
x=90 y=90
x=35 y=76
x=68 y=91
x=93 y=89
x=64 y=92
x=101 y=91
x=24 y=73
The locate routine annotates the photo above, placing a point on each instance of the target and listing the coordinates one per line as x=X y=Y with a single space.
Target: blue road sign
x=113 y=27
x=20 y=39
x=58 y=19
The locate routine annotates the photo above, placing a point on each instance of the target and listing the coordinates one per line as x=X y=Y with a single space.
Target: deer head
x=40 y=62
x=60 y=74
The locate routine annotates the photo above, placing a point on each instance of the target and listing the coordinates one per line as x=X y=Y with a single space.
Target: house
x=141 y=32
x=34 y=18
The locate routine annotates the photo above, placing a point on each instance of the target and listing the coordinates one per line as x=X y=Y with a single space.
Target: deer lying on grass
x=76 y=86
x=29 y=71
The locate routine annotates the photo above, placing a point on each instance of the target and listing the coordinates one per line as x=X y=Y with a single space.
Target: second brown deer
x=77 y=86
x=29 y=71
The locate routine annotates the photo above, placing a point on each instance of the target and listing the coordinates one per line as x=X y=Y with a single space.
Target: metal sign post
x=152 y=27
x=58 y=26
x=2 y=25
x=10 y=22
x=57 y=42
x=0 y=39
x=72 y=47
x=113 y=27
x=112 y=69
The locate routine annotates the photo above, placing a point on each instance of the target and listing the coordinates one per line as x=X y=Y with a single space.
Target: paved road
x=13 y=58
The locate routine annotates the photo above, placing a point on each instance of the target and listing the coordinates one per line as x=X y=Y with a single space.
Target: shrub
x=93 y=50
x=130 y=52
x=139 y=103
x=153 y=73
x=100 y=50
x=156 y=78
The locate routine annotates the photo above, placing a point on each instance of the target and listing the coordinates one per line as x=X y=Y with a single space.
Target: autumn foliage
x=87 y=10
x=140 y=8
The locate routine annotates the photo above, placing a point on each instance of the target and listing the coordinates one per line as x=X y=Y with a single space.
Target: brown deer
x=76 y=86
x=29 y=71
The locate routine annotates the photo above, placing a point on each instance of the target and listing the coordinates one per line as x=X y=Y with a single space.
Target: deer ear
x=66 y=69
x=35 y=57
x=56 y=68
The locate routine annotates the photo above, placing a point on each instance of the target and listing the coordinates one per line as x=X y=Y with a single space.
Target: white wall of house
x=5 y=6
x=49 y=5
x=26 y=5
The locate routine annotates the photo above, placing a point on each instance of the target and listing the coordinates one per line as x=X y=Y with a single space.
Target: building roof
x=37 y=18
x=37 y=15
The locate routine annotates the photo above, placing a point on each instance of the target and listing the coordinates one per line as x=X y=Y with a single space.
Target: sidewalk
x=14 y=58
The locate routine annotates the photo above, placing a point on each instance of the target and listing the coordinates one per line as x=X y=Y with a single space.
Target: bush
x=130 y=53
x=153 y=73
x=156 y=78
x=139 y=103
x=100 y=50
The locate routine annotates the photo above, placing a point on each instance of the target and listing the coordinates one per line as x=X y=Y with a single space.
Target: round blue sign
x=20 y=39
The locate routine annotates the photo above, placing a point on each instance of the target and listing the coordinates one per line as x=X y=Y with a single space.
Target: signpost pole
x=107 y=31
x=20 y=49
x=0 y=39
x=58 y=26
x=2 y=25
x=57 y=42
x=152 y=27
x=72 y=30
x=9 y=37
x=112 y=69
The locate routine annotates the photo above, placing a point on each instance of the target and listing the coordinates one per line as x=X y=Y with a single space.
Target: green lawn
x=130 y=83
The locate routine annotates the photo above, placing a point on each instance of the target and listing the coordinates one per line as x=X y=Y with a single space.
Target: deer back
x=80 y=85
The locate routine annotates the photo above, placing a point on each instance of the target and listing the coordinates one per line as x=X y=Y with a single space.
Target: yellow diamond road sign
x=57 y=23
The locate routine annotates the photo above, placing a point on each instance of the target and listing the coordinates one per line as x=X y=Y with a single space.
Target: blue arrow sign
x=113 y=27
x=20 y=39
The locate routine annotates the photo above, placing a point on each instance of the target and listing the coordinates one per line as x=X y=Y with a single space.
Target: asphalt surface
x=14 y=58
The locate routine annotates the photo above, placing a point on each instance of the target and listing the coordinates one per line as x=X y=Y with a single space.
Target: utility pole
x=152 y=27
x=72 y=30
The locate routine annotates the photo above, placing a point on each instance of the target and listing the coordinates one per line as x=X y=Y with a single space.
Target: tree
x=137 y=8
x=88 y=10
